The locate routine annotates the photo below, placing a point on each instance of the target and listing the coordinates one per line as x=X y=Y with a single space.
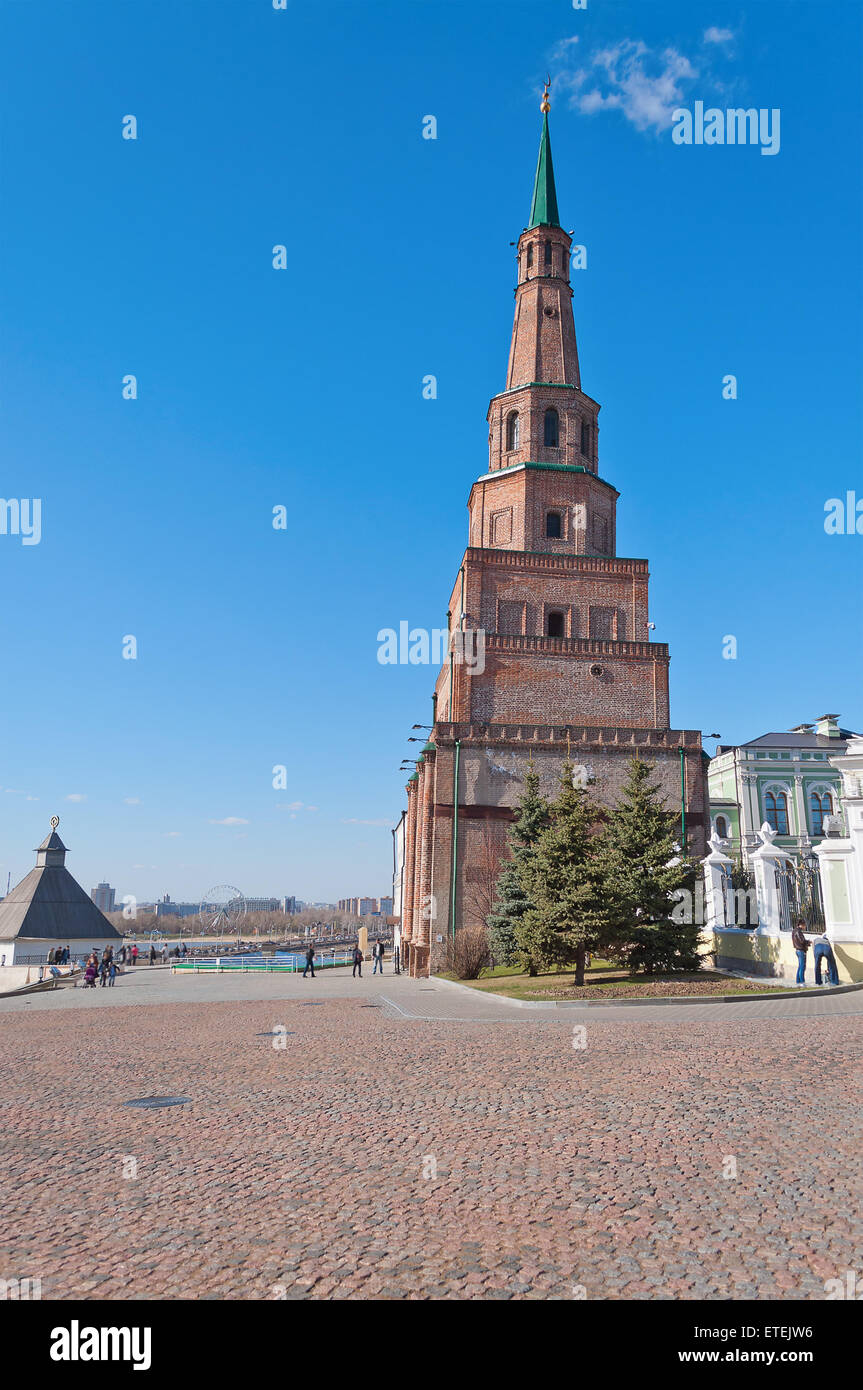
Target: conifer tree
x=512 y=901
x=565 y=918
x=642 y=872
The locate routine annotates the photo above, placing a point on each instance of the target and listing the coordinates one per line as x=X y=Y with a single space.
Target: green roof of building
x=430 y=747
x=543 y=209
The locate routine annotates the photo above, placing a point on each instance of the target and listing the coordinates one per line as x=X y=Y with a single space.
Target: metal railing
x=281 y=963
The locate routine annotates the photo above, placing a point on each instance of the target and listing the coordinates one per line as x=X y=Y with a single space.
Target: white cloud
x=644 y=84
x=173 y=834
x=32 y=798
x=714 y=35
x=132 y=800
x=355 y=820
x=230 y=820
x=76 y=796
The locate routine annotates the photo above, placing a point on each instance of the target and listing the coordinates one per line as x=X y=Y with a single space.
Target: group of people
x=823 y=952
x=356 y=957
x=60 y=955
x=105 y=969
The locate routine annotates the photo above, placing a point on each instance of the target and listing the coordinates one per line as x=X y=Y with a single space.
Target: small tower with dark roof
x=48 y=908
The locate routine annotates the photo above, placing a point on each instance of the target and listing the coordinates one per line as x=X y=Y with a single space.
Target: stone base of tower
x=452 y=861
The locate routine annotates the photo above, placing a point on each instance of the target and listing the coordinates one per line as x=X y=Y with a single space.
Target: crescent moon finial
x=55 y=821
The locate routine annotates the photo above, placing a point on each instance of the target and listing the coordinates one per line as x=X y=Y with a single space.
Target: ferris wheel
x=225 y=906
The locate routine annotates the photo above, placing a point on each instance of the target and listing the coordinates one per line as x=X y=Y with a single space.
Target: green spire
x=543 y=209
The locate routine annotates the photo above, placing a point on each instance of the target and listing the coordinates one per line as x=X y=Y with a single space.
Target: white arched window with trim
x=777 y=799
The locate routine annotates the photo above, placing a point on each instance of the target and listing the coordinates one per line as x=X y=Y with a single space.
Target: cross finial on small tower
x=545 y=105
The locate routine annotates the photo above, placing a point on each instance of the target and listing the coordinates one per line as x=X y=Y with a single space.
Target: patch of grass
x=607 y=981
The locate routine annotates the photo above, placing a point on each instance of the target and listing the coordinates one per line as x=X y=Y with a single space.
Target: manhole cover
x=312 y=1004
x=276 y=1033
x=370 y=1006
x=158 y=1102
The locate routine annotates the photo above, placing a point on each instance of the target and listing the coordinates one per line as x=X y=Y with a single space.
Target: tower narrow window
x=585 y=438
x=553 y=528
x=551 y=429
x=530 y=255
x=555 y=625
x=722 y=827
x=512 y=431
x=548 y=253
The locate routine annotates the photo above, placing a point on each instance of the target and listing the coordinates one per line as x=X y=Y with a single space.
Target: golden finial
x=545 y=105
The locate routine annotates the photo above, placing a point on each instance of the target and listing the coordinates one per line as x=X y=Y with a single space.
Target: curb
x=815 y=993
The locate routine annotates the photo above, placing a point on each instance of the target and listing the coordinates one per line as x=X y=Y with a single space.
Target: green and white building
x=785 y=780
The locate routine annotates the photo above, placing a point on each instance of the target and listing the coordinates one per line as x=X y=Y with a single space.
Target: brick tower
x=563 y=618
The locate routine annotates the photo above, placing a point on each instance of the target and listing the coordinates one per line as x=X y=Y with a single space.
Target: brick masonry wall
x=508 y=511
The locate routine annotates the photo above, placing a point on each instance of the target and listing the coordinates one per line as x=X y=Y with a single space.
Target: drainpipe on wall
x=454 y=856
x=682 y=800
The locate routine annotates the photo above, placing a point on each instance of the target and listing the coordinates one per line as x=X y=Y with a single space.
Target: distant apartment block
x=366 y=907
x=103 y=896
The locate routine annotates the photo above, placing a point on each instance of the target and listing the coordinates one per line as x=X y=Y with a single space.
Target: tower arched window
x=776 y=810
x=530 y=255
x=722 y=827
x=555 y=625
x=548 y=253
x=512 y=430
x=820 y=805
x=585 y=438
x=551 y=429
x=553 y=526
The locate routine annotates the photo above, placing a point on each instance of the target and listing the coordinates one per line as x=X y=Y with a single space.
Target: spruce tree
x=565 y=919
x=641 y=872
x=512 y=901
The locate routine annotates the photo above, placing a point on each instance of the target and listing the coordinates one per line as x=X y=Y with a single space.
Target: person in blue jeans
x=378 y=955
x=824 y=952
x=310 y=962
x=801 y=946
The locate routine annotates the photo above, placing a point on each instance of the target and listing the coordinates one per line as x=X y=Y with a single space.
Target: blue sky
x=257 y=388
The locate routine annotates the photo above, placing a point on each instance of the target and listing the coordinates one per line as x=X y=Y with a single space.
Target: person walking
x=378 y=957
x=358 y=963
x=135 y=954
x=801 y=946
x=310 y=962
x=824 y=954
x=152 y=953
x=112 y=973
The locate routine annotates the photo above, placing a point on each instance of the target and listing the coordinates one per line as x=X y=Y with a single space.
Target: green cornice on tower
x=543 y=209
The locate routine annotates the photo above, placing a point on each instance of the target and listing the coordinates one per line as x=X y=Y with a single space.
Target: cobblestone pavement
x=414 y=1141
